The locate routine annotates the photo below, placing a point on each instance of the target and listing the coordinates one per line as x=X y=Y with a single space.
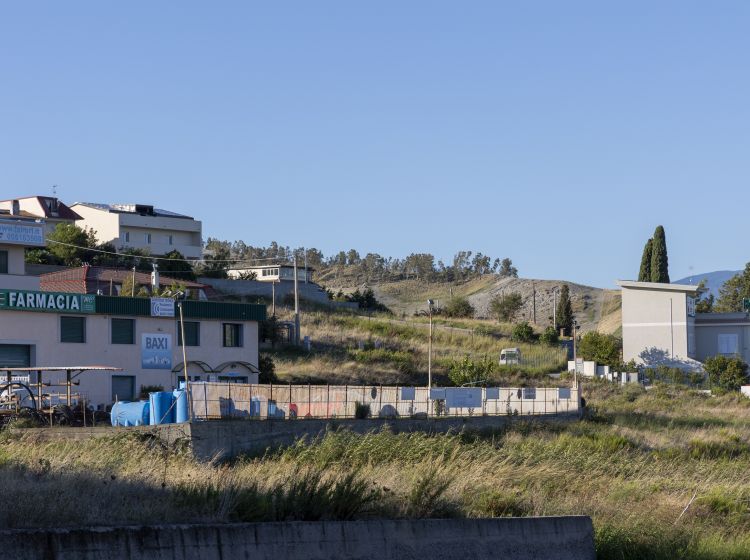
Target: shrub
x=267 y=369
x=361 y=410
x=522 y=332
x=505 y=306
x=600 y=348
x=727 y=373
x=550 y=337
x=459 y=307
x=468 y=371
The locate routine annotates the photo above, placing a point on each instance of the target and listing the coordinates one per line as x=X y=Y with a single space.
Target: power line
x=130 y=255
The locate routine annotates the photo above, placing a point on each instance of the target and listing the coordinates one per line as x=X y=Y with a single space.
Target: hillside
x=594 y=308
x=714 y=280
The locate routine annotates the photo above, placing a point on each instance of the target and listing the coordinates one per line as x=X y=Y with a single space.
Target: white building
x=16 y=235
x=660 y=327
x=140 y=226
x=47 y=208
x=64 y=329
x=273 y=273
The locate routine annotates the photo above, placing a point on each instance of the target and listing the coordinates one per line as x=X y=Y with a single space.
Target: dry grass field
x=664 y=474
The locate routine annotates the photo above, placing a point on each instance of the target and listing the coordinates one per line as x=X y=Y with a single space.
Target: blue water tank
x=180 y=406
x=161 y=410
x=126 y=413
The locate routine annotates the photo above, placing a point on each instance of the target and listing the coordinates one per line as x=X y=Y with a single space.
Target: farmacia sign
x=53 y=302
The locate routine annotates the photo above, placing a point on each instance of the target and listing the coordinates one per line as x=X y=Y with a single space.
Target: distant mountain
x=714 y=280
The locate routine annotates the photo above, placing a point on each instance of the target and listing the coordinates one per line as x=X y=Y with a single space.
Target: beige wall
x=708 y=339
x=656 y=326
x=16 y=262
x=112 y=226
x=42 y=331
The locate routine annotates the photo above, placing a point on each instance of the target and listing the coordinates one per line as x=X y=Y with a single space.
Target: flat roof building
x=141 y=226
x=661 y=327
x=139 y=335
x=272 y=273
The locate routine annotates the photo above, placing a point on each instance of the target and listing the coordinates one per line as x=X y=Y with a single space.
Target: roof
x=134 y=209
x=62 y=368
x=115 y=275
x=658 y=286
x=46 y=204
x=721 y=318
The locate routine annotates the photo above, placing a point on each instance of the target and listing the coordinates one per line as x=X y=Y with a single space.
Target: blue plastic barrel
x=180 y=406
x=160 y=407
x=126 y=413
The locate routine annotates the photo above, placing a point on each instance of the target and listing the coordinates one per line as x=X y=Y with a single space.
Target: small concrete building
x=660 y=327
x=140 y=226
x=273 y=273
x=140 y=335
x=16 y=235
x=658 y=324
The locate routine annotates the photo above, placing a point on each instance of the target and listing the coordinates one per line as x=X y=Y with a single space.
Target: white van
x=510 y=356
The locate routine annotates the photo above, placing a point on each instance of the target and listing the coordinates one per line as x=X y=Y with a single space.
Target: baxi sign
x=50 y=302
x=156 y=351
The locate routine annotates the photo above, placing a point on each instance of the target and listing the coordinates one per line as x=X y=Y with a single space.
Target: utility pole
x=296 y=304
x=305 y=249
x=554 y=307
x=185 y=364
x=429 y=349
x=273 y=298
x=533 y=305
x=133 y=288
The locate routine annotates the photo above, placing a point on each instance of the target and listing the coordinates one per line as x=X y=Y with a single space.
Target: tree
x=522 y=332
x=505 y=306
x=705 y=304
x=470 y=372
x=564 y=311
x=178 y=267
x=729 y=373
x=733 y=292
x=644 y=275
x=659 y=260
x=459 y=307
x=69 y=244
x=507 y=270
x=550 y=336
x=600 y=348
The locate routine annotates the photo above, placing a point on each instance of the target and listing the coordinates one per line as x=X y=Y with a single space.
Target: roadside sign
x=162 y=307
x=579 y=365
x=746 y=304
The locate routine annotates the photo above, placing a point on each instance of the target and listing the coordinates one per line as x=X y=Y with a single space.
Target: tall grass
x=663 y=474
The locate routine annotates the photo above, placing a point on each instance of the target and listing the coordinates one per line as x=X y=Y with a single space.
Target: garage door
x=15 y=355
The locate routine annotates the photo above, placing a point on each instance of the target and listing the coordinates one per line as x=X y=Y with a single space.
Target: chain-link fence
x=233 y=400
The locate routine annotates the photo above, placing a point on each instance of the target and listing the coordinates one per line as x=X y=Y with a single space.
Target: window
x=232 y=335
x=73 y=329
x=123 y=331
x=123 y=387
x=147 y=237
x=3 y=262
x=170 y=239
x=728 y=344
x=192 y=333
x=127 y=237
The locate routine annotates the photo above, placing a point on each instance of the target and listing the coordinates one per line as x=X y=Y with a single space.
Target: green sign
x=746 y=304
x=50 y=302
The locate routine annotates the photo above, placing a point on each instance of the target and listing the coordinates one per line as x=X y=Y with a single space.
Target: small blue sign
x=156 y=351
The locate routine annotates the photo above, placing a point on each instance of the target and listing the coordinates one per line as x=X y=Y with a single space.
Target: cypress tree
x=645 y=273
x=659 y=261
x=564 y=311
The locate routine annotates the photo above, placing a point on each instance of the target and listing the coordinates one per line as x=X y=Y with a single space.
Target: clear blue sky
x=556 y=133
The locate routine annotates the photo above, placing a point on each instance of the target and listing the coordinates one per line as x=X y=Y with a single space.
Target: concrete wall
x=221 y=439
x=552 y=538
x=42 y=332
x=708 y=339
x=309 y=291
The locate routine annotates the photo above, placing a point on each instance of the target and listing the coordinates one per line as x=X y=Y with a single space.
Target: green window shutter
x=73 y=329
x=192 y=333
x=123 y=331
x=3 y=262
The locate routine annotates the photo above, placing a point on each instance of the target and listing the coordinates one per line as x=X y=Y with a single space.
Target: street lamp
x=429 y=349
x=576 y=327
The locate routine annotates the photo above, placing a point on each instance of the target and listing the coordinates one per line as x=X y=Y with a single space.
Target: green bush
x=522 y=332
x=505 y=306
x=600 y=348
x=727 y=373
x=550 y=337
x=470 y=372
x=267 y=369
x=459 y=307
